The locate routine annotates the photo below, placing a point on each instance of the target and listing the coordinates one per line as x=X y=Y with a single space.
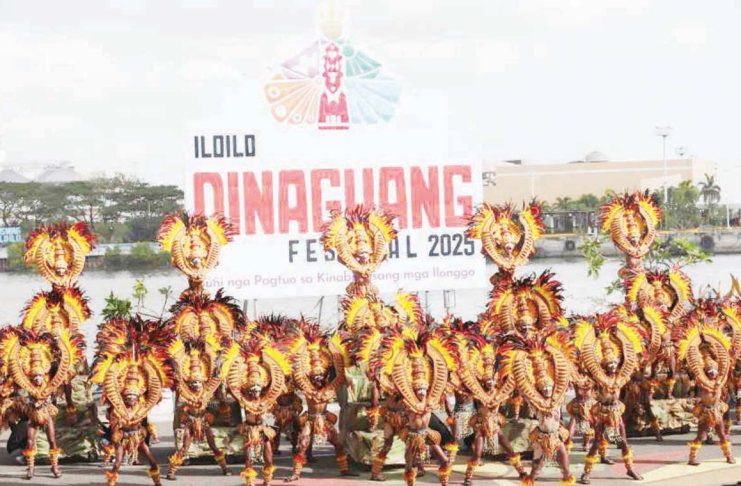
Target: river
x=582 y=294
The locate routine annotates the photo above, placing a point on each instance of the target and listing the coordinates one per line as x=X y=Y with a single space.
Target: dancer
x=131 y=364
x=318 y=369
x=542 y=372
x=199 y=370
x=609 y=352
x=256 y=379
x=58 y=252
x=416 y=366
x=479 y=376
x=39 y=365
x=705 y=349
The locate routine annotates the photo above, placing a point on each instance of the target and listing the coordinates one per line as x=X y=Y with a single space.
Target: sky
x=116 y=86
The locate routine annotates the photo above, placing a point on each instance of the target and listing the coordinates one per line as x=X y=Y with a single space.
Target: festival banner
x=278 y=208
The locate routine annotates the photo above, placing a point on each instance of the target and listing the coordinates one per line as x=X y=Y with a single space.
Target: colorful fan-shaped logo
x=331 y=83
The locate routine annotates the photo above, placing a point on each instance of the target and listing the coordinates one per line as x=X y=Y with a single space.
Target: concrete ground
x=659 y=463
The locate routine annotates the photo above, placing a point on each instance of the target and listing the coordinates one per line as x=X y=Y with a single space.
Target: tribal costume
x=521 y=306
x=479 y=376
x=705 y=348
x=318 y=366
x=632 y=222
x=541 y=370
x=194 y=242
x=58 y=252
x=507 y=238
x=609 y=353
x=131 y=365
x=360 y=238
x=580 y=413
x=38 y=364
x=256 y=379
x=416 y=367
x=199 y=369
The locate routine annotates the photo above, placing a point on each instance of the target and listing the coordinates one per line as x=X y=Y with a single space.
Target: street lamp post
x=664 y=132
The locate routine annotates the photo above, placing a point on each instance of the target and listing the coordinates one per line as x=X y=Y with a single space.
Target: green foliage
x=140 y=293
x=166 y=292
x=590 y=248
x=116 y=308
x=677 y=252
x=682 y=211
x=15 y=257
x=120 y=209
x=142 y=256
x=113 y=259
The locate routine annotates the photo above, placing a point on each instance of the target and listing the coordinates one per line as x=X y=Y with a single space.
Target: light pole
x=664 y=132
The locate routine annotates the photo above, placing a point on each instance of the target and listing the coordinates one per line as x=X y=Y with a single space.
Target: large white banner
x=278 y=208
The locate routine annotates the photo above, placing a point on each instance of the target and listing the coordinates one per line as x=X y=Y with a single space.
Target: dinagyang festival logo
x=331 y=83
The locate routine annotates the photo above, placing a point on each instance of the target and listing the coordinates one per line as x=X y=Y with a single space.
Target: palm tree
x=709 y=190
x=563 y=203
x=710 y=193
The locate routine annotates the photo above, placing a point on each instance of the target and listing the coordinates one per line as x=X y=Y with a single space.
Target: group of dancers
x=522 y=351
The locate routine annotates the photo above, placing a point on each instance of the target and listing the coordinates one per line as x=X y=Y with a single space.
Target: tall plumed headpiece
x=525 y=304
x=632 y=220
x=508 y=238
x=59 y=251
x=194 y=242
x=131 y=359
x=701 y=341
x=360 y=237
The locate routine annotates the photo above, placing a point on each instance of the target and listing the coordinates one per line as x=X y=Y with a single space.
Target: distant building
x=516 y=182
x=58 y=173
x=10 y=175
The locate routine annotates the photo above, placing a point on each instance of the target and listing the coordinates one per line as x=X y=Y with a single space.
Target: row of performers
x=522 y=345
x=266 y=365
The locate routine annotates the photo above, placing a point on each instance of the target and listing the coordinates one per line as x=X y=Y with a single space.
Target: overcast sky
x=114 y=86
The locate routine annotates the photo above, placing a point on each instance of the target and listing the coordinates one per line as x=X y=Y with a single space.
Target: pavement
x=659 y=463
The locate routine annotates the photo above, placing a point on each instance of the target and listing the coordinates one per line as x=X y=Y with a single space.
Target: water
x=581 y=294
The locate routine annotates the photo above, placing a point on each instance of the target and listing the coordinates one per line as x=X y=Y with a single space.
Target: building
x=60 y=173
x=515 y=181
x=11 y=176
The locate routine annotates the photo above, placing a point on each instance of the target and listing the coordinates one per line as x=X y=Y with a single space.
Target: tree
x=587 y=202
x=563 y=203
x=710 y=193
x=682 y=212
x=709 y=190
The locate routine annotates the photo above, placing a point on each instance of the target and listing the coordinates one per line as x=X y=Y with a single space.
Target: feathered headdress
x=59 y=251
x=359 y=230
x=631 y=219
x=508 y=239
x=194 y=242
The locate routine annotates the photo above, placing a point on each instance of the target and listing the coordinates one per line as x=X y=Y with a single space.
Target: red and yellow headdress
x=61 y=308
x=632 y=220
x=507 y=238
x=59 y=251
x=194 y=242
x=131 y=359
x=360 y=237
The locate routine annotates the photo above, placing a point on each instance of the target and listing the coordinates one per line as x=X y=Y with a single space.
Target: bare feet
x=56 y=472
x=606 y=460
x=693 y=462
x=730 y=460
x=634 y=475
x=378 y=477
